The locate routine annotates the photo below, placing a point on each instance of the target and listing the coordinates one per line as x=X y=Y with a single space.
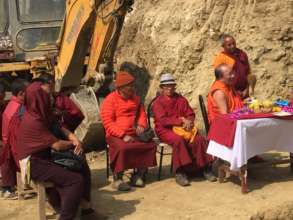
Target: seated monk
x=65 y=110
x=10 y=164
x=124 y=118
x=34 y=141
x=222 y=98
x=172 y=111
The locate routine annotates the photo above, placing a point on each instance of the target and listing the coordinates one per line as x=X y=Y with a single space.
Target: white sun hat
x=167 y=79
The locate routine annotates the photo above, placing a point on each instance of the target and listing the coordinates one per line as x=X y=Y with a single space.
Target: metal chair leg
x=161 y=162
x=171 y=166
x=108 y=164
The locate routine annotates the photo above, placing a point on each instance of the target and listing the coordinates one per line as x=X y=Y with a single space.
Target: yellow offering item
x=187 y=135
x=276 y=109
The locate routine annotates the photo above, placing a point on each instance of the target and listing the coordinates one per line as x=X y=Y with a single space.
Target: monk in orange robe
x=222 y=98
x=238 y=60
x=124 y=119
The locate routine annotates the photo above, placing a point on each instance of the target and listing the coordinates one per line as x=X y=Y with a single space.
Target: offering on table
x=288 y=109
x=238 y=112
x=265 y=106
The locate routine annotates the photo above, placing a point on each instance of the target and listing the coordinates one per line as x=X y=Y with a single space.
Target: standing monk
x=124 y=118
x=10 y=164
x=172 y=110
x=222 y=98
x=237 y=59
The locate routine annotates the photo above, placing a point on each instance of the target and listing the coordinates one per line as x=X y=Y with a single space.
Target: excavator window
x=38 y=38
x=40 y=10
x=3 y=16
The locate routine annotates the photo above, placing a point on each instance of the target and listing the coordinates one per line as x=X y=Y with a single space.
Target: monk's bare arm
x=221 y=101
x=62 y=145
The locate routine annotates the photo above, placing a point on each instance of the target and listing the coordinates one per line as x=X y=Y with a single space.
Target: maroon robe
x=241 y=68
x=70 y=113
x=167 y=112
x=34 y=138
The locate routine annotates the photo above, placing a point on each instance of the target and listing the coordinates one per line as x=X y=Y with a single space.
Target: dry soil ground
x=271 y=186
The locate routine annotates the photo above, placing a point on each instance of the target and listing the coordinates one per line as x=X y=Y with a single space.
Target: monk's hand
x=139 y=130
x=77 y=147
x=187 y=124
x=128 y=139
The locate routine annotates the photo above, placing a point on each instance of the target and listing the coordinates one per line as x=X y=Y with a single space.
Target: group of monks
x=30 y=119
x=124 y=119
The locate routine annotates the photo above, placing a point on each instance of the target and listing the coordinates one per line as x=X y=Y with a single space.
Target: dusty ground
x=271 y=186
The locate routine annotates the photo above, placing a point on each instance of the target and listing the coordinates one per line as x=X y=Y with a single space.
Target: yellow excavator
x=73 y=39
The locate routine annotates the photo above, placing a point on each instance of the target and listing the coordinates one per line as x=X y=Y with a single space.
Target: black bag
x=68 y=160
x=148 y=133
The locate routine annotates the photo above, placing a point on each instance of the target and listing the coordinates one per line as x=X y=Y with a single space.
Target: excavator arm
x=87 y=42
x=89 y=28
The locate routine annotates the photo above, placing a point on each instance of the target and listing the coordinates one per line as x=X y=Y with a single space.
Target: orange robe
x=119 y=116
x=233 y=99
x=240 y=64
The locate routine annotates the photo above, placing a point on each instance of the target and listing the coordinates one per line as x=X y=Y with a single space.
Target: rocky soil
x=182 y=36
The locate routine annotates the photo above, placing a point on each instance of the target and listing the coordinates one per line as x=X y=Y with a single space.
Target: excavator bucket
x=91 y=131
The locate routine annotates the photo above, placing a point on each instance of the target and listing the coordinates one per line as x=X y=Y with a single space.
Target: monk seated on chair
x=34 y=141
x=174 y=125
x=124 y=118
x=222 y=97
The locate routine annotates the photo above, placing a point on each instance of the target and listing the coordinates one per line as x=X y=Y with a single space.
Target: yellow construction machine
x=73 y=39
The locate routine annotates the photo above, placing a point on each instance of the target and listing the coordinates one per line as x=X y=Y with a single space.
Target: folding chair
x=161 y=145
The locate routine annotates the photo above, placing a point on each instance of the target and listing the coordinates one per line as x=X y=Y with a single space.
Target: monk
x=34 y=142
x=171 y=109
x=237 y=59
x=10 y=164
x=66 y=111
x=2 y=106
x=124 y=118
x=222 y=98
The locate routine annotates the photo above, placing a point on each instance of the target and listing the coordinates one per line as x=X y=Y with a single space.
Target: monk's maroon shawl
x=33 y=132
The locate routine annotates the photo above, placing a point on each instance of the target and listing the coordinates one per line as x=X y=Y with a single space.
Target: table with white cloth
x=254 y=137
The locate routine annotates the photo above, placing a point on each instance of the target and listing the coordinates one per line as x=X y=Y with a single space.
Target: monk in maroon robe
x=171 y=109
x=8 y=161
x=65 y=110
x=35 y=140
x=69 y=114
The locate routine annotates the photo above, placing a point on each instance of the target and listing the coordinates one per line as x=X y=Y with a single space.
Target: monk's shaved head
x=228 y=43
x=224 y=73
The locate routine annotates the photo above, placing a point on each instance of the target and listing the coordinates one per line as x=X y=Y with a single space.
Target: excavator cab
x=29 y=28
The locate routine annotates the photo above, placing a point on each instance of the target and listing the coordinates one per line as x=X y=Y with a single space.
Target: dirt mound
x=183 y=37
x=282 y=212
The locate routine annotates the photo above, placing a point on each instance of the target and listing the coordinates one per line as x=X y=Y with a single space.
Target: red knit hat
x=123 y=78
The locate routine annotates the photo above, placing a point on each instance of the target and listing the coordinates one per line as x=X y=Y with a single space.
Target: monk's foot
x=181 y=179
x=120 y=185
x=209 y=176
x=137 y=181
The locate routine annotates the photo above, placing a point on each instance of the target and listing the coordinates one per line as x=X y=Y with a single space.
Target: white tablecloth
x=253 y=137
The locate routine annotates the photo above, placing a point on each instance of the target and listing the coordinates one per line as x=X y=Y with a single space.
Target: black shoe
x=137 y=181
x=121 y=186
x=209 y=176
x=181 y=179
